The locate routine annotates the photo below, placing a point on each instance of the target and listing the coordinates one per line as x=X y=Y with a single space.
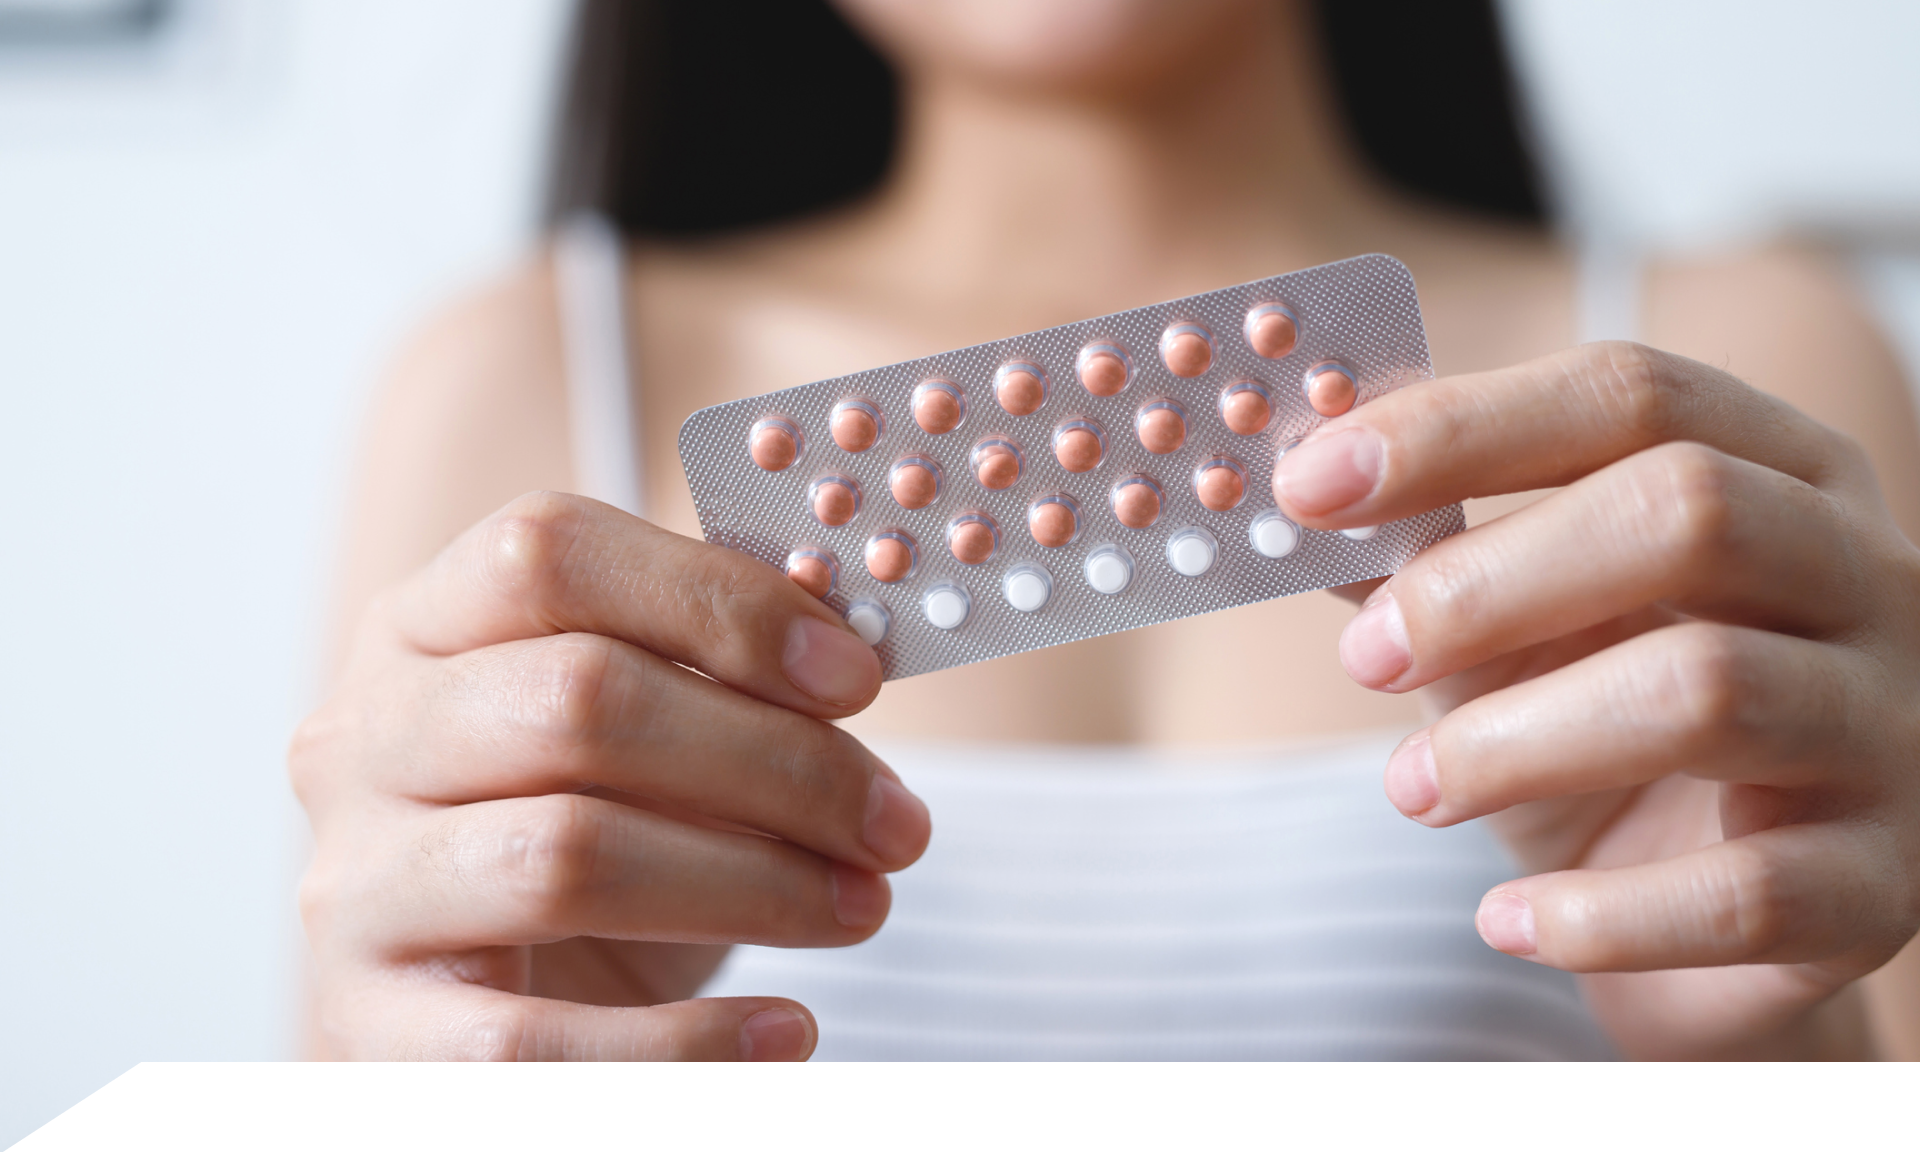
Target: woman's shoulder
x=494 y=350
x=470 y=413
x=1793 y=320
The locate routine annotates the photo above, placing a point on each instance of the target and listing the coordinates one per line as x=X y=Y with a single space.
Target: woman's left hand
x=1688 y=683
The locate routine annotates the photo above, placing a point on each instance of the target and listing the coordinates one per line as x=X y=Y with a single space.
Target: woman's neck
x=1227 y=168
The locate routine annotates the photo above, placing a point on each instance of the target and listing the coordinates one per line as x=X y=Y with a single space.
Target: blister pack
x=1086 y=479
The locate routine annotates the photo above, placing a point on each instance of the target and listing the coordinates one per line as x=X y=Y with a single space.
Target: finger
x=1710 y=700
x=473 y=1022
x=1542 y=424
x=1794 y=894
x=536 y=870
x=566 y=713
x=548 y=563
x=1680 y=525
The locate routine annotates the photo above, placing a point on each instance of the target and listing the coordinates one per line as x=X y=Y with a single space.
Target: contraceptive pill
x=834 y=499
x=938 y=407
x=1191 y=551
x=1020 y=387
x=1104 y=368
x=1186 y=349
x=855 y=425
x=773 y=444
x=1161 y=426
x=815 y=570
x=1113 y=473
x=1054 y=520
x=996 y=463
x=1331 y=389
x=1246 y=407
x=1027 y=587
x=1271 y=330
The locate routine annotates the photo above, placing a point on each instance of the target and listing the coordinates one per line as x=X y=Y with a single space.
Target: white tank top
x=1112 y=903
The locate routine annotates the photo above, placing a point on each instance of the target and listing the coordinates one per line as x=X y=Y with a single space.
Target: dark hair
x=766 y=109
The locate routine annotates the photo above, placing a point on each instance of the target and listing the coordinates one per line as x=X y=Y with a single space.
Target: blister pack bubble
x=770 y=477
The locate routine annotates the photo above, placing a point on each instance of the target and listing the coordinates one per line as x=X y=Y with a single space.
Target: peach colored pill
x=834 y=504
x=855 y=429
x=1162 y=430
x=1220 y=488
x=914 y=486
x=1077 y=449
x=1052 y=524
x=936 y=410
x=1103 y=374
x=888 y=560
x=1331 y=392
x=773 y=447
x=1187 y=354
x=1272 y=334
x=1020 y=392
x=1247 y=412
x=971 y=542
x=997 y=468
x=1136 y=505
x=813 y=575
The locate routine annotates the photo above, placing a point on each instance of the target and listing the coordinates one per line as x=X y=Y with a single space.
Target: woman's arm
x=1791 y=322
x=472 y=413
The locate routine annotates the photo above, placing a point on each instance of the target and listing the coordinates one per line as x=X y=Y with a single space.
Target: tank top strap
x=1608 y=290
x=603 y=418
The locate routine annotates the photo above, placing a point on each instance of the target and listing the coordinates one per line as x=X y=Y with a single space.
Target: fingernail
x=1328 y=474
x=860 y=898
x=1506 y=922
x=1412 y=784
x=897 y=823
x=1374 y=648
x=829 y=663
x=776 y=1034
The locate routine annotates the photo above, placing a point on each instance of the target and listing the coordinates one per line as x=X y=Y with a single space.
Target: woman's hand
x=568 y=760
x=1687 y=682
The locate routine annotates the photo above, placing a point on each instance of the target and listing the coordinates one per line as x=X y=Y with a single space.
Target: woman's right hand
x=566 y=761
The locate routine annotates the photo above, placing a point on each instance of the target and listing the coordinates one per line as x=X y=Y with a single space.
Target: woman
x=1676 y=686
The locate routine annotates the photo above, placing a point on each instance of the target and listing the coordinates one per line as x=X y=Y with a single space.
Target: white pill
x=1027 y=588
x=1273 y=535
x=946 y=607
x=1360 y=533
x=1109 y=570
x=870 y=620
x=1191 y=551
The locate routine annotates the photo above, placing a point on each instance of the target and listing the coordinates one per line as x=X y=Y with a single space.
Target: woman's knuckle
x=497 y=1032
x=568 y=686
x=312 y=751
x=1635 y=386
x=529 y=541
x=1691 y=500
x=551 y=854
x=730 y=592
x=1760 y=904
x=1445 y=586
x=1711 y=683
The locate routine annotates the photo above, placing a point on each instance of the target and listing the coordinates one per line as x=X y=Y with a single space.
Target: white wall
x=203 y=258
x=1690 y=122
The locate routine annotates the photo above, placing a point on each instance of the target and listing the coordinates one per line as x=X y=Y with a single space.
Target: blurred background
x=218 y=217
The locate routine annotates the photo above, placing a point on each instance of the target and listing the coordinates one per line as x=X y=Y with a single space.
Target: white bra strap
x=1608 y=287
x=589 y=277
